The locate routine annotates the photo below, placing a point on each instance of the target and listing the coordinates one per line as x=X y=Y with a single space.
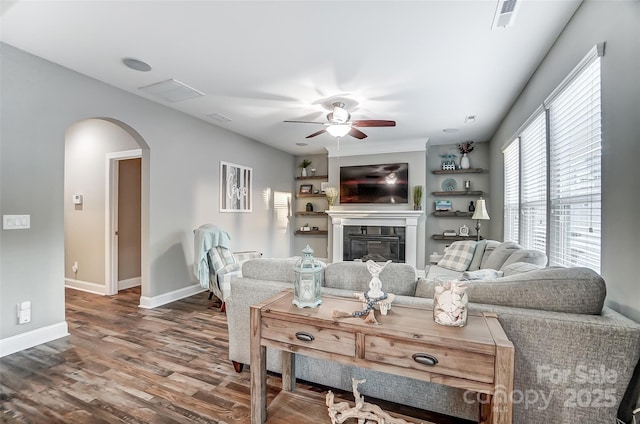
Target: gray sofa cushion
x=535 y=257
x=396 y=278
x=488 y=250
x=500 y=254
x=477 y=256
x=571 y=290
x=519 y=268
x=274 y=269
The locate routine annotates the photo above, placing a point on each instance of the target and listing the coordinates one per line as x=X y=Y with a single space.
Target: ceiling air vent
x=505 y=13
x=171 y=91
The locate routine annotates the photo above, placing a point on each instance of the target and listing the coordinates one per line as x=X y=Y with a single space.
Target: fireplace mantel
x=383 y=218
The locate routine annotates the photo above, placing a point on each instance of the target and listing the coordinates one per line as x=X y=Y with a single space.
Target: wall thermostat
x=76 y=199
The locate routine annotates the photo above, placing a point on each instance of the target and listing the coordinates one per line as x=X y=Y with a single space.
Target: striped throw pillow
x=458 y=256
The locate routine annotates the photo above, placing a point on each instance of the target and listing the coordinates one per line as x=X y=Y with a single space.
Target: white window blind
x=533 y=183
x=512 y=191
x=575 y=170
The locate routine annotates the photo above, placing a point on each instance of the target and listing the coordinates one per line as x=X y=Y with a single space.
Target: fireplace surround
x=407 y=219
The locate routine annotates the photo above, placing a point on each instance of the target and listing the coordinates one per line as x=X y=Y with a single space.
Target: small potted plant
x=304 y=165
x=417 y=197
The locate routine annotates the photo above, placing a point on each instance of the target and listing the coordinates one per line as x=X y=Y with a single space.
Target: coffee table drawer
x=431 y=358
x=331 y=340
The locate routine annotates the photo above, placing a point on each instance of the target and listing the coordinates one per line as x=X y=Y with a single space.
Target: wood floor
x=124 y=364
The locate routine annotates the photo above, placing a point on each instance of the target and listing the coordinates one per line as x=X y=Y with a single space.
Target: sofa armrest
x=569 y=366
x=246 y=292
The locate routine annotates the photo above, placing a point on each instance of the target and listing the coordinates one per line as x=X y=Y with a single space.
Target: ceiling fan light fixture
x=340 y=114
x=339 y=130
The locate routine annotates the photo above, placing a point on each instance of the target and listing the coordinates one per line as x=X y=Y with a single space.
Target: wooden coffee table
x=407 y=342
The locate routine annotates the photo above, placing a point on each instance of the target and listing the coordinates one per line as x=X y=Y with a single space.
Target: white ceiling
x=425 y=64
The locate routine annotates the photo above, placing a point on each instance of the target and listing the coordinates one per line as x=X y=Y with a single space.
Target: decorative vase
x=450 y=303
x=464 y=162
x=304 y=172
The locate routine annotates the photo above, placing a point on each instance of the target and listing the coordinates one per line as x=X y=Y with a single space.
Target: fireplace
x=373 y=242
x=391 y=234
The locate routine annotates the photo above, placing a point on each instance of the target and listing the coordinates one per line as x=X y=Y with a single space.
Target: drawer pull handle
x=424 y=358
x=305 y=337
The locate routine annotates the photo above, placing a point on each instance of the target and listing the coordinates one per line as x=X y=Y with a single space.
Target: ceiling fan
x=340 y=123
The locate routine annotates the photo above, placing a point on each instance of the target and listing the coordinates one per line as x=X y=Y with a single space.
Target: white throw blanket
x=206 y=237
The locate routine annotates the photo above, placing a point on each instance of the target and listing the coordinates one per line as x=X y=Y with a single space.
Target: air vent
x=171 y=91
x=505 y=13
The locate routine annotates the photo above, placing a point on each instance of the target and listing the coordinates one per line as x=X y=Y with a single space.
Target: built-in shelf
x=455 y=238
x=313 y=177
x=312 y=233
x=458 y=171
x=458 y=193
x=304 y=213
x=299 y=195
x=453 y=214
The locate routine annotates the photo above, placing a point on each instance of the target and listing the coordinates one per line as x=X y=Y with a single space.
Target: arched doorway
x=94 y=149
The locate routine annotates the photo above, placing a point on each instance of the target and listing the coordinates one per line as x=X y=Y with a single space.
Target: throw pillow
x=482 y=274
x=458 y=256
x=477 y=255
x=500 y=254
x=488 y=250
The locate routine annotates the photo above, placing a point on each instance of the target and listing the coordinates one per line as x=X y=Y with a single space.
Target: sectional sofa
x=574 y=358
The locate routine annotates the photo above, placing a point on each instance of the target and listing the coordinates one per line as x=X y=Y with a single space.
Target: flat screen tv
x=385 y=183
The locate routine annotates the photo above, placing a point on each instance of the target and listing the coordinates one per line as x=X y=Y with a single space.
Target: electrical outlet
x=75 y=267
x=24 y=312
x=25 y=316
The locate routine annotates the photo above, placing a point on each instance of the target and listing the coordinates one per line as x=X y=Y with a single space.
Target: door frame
x=111 y=216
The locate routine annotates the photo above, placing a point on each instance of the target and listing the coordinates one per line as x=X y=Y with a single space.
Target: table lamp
x=480 y=213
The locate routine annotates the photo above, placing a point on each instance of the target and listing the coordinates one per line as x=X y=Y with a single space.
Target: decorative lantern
x=309 y=279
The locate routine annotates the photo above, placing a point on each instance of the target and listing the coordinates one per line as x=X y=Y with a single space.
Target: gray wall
x=40 y=101
x=618 y=24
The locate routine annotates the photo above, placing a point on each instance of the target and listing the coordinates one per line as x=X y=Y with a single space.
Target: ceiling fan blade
x=324 y=130
x=305 y=122
x=354 y=132
x=373 y=123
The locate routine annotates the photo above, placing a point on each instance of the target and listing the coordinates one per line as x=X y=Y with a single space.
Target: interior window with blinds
x=553 y=169
x=575 y=171
x=512 y=190
x=533 y=184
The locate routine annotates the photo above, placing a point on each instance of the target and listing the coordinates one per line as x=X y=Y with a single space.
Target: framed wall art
x=235 y=187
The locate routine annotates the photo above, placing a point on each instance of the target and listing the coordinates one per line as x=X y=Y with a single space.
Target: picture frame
x=235 y=187
x=306 y=188
x=443 y=205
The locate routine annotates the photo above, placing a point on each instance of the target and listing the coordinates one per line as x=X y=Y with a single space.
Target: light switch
x=16 y=222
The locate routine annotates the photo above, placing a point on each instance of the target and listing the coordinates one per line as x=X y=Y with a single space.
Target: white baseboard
x=33 y=338
x=153 y=302
x=130 y=282
x=85 y=286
